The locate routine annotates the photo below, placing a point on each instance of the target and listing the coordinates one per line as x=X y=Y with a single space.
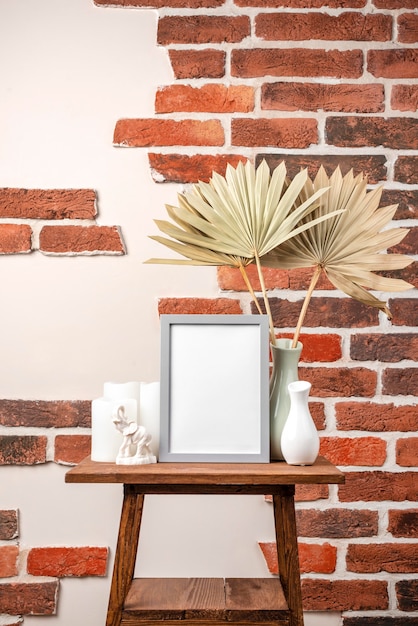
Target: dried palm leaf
x=349 y=246
x=237 y=219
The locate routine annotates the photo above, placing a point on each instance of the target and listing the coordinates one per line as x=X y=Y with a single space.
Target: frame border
x=167 y=324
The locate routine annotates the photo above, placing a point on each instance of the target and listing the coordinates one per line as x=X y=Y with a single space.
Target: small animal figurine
x=134 y=437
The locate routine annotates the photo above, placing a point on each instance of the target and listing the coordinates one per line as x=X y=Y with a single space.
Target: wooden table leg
x=287 y=551
x=125 y=556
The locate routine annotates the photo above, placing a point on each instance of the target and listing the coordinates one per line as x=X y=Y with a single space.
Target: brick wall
x=312 y=82
x=38 y=214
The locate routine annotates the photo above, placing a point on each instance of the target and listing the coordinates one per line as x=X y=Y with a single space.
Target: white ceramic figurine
x=134 y=436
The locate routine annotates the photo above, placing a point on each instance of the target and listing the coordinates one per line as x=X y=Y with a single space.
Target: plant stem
x=250 y=288
x=304 y=308
x=266 y=300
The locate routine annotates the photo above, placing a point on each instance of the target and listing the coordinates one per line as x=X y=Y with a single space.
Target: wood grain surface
x=230 y=475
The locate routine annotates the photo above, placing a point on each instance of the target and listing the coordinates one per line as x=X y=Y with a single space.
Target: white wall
x=68 y=71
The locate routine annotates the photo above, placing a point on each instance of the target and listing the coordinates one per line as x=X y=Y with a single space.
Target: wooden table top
x=216 y=474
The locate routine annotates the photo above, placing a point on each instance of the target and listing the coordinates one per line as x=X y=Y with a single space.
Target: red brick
x=48 y=204
x=81 y=240
x=400 y=381
x=406 y=199
x=409 y=244
x=15 y=238
x=388 y=348
x=198 y=29
x=269 y=551
x=152 y=132
x=409 y=274
x=344 y=595
x=395 y=4
x=317 y=411
x=354 y=450
x=400 y=133
x=71 y=448
x=378 y=486
x=161 y=4
x=230 y=278
x=326 y=312
x=406 y=169
x=303 y=4
x=351 y=26
x=182 y=168
x=22 y=449
x=407 y=452
x=408 y=28
x=195 y=306
x=403 y=523
x=307 y=493
x=346 y=98
x=393 y=63
x=211 y=98
x=300 y=279
x=375 y=417
x=319 y=558
x=255 y=62
x=60 y=562
x=404 y=97
x=283 y=133
x=384 y=557
x=8 y=561
x=321 y=348
x=373 y=166
x=19 y=598
x=207 y=63
x=45 y=413
x=404 y=311
x=407 y=594
x=336 y=523
x=310 y=493
x=340 y=381
x=316 y=347
x=9 y=524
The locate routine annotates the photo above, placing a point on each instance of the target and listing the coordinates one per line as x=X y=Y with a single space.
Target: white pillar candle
x=149 y=413
x=118 y=391
x=105 y=438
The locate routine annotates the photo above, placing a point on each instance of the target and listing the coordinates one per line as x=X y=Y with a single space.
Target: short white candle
x=118 y=391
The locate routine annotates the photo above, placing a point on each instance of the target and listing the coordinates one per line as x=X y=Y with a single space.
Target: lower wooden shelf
x=201 y=601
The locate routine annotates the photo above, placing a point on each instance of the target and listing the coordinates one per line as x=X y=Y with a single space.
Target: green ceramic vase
x=285 y=371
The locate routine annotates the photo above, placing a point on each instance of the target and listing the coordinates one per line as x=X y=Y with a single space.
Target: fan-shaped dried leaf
x=237 y=219
x=349 y=246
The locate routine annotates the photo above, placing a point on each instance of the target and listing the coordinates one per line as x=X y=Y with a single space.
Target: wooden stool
x=206 y=601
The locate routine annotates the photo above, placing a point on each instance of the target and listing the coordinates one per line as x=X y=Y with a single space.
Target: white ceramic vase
x=300 y=439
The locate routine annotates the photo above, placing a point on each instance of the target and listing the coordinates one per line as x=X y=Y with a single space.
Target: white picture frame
x=214 y=404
